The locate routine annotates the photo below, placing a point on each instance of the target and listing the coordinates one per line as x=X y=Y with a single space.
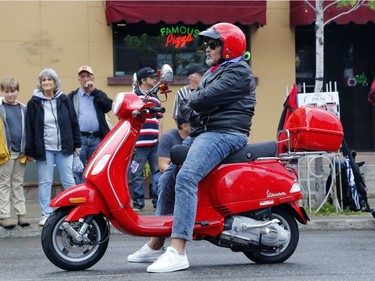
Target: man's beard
x=210 y=62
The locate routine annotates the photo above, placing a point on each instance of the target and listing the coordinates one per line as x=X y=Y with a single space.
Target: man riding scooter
x=248 y=202
x=223 y=106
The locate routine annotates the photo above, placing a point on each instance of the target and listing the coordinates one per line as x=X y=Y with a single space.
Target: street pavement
x=357 y=221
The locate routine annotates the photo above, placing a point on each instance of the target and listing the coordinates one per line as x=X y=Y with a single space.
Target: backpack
x=354 y=190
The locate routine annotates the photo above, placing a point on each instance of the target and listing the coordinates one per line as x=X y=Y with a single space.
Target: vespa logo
x=271 y=194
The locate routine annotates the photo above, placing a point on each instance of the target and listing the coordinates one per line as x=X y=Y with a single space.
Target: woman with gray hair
x=52 y=135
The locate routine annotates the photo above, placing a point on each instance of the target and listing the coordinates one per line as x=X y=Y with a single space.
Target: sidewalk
x=360 y=221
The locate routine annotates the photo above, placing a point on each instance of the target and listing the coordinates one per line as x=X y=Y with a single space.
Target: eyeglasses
x=213 y=44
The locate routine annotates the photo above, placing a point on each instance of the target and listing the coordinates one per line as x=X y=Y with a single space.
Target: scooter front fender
x=85 y=199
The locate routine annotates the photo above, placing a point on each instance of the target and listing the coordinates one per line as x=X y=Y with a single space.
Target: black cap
x=195 y=68
x=146 y=72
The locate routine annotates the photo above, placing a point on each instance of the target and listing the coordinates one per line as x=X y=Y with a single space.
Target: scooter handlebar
x=154 y=109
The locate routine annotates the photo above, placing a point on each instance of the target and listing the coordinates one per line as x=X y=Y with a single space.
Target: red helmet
x=232 y=37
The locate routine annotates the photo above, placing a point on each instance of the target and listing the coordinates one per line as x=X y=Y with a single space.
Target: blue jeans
x=143 y=155
x=206 y=152
x=88 y=147
x=166 y=193
x=154 y=187
x=64 y=165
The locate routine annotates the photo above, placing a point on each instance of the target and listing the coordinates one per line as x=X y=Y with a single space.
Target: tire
x=279 y=254
x=66 y=254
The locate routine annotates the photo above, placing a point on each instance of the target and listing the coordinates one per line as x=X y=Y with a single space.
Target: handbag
x=78 y=166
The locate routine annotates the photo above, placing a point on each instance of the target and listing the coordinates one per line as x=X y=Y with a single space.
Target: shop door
x=350 y=61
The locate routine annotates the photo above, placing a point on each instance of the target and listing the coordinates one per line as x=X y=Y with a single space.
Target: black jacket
x=224 y=100
x=102 y=104
x=67 y=121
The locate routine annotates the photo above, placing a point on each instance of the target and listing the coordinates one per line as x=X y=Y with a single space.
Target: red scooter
x=248 y=203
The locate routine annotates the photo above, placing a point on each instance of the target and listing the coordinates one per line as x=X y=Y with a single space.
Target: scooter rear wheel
x=279 y=254
x=66 y=253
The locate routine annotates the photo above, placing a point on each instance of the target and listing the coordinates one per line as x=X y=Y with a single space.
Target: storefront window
x=140 y=45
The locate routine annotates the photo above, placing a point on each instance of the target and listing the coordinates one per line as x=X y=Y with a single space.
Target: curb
x=334 y=224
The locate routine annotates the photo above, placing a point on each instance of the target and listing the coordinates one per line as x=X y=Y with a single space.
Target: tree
x=321 y=22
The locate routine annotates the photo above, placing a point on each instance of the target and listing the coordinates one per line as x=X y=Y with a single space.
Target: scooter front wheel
x=283 y=252
x=68 y=252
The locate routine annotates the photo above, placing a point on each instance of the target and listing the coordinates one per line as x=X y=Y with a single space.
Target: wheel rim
x=273 y=251
x=73 y=252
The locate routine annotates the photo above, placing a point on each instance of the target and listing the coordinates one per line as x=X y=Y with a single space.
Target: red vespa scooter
x=248 y=203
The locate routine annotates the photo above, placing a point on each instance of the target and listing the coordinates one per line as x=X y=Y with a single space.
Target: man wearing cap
x=91 y=105
x=147 y=142
x=194 y=75
x=169 y=139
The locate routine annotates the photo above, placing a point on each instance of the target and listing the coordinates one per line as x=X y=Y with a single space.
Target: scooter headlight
x=125 y=103
x=117 y=102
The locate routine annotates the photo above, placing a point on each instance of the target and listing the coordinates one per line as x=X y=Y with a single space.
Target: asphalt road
x=320 y=256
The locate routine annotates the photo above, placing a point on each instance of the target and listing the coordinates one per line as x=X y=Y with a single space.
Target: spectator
x=12 y=114
x=169 y=139
x=371 y=94
x=91 y=106
x=147 y=142
x=194 y=74
x=52 y=135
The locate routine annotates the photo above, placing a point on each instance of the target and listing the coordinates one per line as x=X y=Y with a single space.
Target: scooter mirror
x=134 y=81
x=166 y=73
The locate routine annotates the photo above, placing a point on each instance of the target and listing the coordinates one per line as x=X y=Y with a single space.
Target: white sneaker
x=170 y=261
x=145 y=254
x=43 y=220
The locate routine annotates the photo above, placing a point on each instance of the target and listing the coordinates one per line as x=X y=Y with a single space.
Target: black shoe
x=137 y=207
x=373 y=213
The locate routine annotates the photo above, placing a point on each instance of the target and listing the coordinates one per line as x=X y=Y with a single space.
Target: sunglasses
x=213 y=44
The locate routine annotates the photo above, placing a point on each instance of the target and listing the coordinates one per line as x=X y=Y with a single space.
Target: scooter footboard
x=85 y=199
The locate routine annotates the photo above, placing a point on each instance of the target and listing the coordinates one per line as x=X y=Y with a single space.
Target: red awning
x=302 y=14
x=186 y=11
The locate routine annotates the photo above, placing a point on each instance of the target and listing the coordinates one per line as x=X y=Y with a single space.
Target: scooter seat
x=249 y=152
